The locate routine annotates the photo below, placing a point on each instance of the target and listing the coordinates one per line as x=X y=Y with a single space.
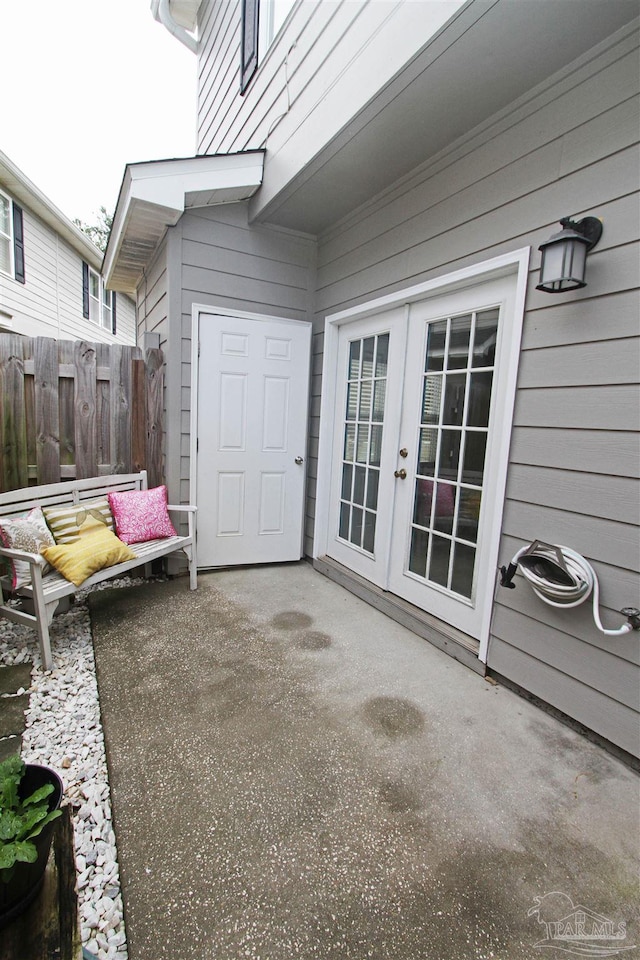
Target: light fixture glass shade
x=563 y=262
x=564 y=255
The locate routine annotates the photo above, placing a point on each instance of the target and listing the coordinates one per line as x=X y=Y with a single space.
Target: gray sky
x=88 y=86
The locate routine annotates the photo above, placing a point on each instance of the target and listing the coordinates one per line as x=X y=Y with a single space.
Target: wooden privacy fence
x=76 y=409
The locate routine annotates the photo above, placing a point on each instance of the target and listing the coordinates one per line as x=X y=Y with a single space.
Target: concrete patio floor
x=295 y=775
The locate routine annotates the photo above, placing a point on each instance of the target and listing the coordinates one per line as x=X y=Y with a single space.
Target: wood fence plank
x=84 y=358
x=65 y=403
x=138 y=415
x=155 y=383
x=13 y=430
x=47 y=414
x=103 y=418
x=120 y=401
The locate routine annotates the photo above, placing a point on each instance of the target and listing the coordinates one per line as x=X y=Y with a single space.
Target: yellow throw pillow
x=93 y=551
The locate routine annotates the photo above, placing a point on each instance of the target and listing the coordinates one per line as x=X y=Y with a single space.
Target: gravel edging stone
x=63 y=730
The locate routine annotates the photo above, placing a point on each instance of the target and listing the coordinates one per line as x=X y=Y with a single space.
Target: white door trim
x=205 y=308
x=515 y=262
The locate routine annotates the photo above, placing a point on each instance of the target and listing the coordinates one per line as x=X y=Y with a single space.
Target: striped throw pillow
x=69 y=523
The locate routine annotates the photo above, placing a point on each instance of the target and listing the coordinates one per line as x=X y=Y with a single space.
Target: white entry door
x=253 y=397
x=421 y=427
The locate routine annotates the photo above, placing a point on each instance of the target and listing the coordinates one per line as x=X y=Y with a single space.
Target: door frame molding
x=515 y=262
x=196 y=310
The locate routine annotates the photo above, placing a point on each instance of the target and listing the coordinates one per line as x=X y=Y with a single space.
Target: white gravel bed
x=64 y=731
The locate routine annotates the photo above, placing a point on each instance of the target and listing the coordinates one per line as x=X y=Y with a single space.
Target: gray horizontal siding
x=152 y=297
x=615 y=721
x=599 y=495
x=574 y=456
x=49 y=303
x=227 y=263
x=590 y=451
x=215 y=258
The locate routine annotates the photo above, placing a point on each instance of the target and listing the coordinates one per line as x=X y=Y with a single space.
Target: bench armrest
x=23 y=555
x=190 y=511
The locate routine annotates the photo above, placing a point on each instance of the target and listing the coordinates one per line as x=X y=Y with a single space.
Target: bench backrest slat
x=68 y=491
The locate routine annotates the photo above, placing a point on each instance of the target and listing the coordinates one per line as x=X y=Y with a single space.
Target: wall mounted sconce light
x=564 y=255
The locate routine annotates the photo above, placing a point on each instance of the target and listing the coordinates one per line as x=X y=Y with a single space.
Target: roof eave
x=25 y=192
x=155 y=194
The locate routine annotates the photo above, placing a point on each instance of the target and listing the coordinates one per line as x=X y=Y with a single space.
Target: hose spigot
x=633 y=616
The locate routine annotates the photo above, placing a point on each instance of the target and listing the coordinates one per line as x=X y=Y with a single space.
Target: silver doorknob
x=299 y=460
x=400 y=474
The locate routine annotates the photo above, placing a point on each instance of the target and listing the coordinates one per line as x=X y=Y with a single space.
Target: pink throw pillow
x=141 y=514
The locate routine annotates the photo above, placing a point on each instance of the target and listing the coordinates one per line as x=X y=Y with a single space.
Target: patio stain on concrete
x=291 y=620
x=393 y=717
x=257 y=817
x=313 y=640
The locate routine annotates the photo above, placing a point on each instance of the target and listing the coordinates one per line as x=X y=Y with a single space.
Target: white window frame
x=272 y=17
x=100 y=312
x=9 y=237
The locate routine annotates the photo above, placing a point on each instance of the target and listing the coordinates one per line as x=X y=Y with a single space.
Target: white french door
x=421 y=426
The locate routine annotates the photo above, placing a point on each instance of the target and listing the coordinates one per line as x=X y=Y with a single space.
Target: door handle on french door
x=299 y=460
x=400 y=474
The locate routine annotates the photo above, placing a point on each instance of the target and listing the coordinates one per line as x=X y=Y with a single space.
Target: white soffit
x=154 y=195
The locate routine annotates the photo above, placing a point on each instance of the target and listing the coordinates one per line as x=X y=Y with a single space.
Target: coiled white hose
x=554 y=590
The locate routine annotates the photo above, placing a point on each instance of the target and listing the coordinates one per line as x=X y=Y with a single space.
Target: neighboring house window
x=11 y=239
x=261 y=23
x=98 y=303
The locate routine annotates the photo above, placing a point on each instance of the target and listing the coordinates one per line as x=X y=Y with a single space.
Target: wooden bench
x=39 y=599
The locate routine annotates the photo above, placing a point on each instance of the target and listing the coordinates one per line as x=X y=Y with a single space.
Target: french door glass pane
x=479 y=399
x=449 y=454
x=363 y=426
x=431 y=399
x=453 y=408
x=352 y=401
x=452 y=442
x=418 y=556
x=379 y=392
x=437 y=338
x=366 y=390
x=358 y=486
x=382 y=356
x=369 y=533
x=484 y=342
x=372 y=488
x=354 y=359
x=347 y=473
x=458 y=352
x=427 y=452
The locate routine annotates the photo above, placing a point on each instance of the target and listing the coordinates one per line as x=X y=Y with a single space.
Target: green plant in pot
x=30 y=797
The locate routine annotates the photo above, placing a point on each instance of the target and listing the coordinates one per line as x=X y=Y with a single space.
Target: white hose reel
x=563 y=578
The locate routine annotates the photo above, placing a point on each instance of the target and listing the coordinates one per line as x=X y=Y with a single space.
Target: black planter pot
x=26 y=878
